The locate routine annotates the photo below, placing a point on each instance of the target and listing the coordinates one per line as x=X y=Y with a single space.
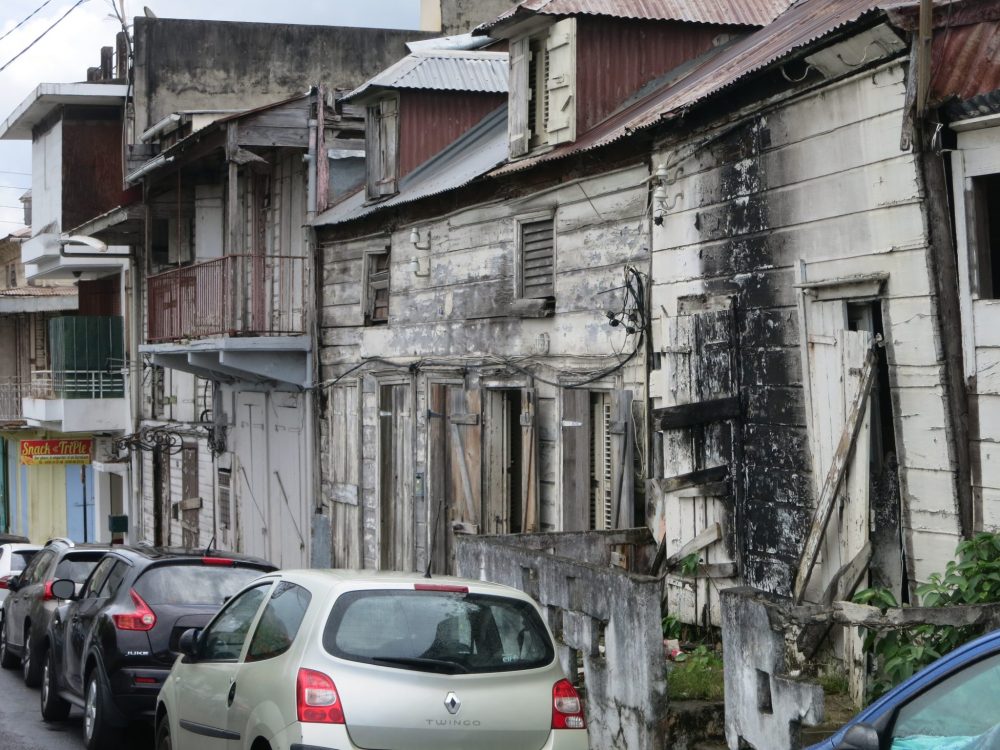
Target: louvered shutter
x=538 y=259
x=388 y=142
x=560 y=82
x=518 y=103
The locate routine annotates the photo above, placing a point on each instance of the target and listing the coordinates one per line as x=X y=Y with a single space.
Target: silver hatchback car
x=345 y=660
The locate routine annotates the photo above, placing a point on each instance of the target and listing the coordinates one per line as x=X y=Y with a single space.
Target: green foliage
x=689 y=564
x=672 y=627
x=972 y=578
x=697 y=676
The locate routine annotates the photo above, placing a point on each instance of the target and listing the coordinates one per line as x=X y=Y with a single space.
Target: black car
x=30 y=602
x=111 y=647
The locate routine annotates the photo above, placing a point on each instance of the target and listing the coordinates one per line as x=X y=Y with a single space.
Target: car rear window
x=192 y=584
x=77 y=567
x=437 y=631
x=19 y=560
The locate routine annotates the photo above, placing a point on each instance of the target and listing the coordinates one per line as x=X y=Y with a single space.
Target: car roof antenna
x=211 y=543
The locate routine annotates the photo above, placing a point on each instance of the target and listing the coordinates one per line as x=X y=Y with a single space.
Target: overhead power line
x=25 y=20
x=40 y=36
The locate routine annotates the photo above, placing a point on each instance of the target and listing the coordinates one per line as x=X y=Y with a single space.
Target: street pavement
x=22 y=728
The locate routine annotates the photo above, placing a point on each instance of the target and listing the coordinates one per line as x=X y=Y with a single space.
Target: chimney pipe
x=121 y=42
x=107 y=58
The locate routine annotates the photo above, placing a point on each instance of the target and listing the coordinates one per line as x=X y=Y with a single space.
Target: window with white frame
x=542 y=105
x=381 y=147
x=536 y=257
x=984 y=236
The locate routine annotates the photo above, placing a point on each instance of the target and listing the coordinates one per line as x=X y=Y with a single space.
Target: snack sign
x=43 y=452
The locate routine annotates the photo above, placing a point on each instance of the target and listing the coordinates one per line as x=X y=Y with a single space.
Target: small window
x=225 y=498
x=985 y=233
x=537 y=258
x=19 y=560
x=280 y=621
x=97 y=578
x=542 y=105
x=77 y=566
x=192 y=584
x=377 y=288
x=114 y=580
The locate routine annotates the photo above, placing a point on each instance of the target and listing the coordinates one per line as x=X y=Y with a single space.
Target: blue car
x=952 y=704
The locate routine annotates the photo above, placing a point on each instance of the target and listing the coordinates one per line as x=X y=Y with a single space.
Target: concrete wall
x=461 y=16
x=601 y=615
x=189 y=65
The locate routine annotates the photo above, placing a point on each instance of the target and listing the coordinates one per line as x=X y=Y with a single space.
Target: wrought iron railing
x=12 y=390
x=239 y=295
x=52 y=384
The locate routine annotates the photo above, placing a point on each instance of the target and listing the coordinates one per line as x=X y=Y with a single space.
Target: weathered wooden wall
x=457 y=327
x=813 y=190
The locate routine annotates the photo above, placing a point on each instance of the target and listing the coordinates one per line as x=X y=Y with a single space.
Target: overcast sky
x=74 y=45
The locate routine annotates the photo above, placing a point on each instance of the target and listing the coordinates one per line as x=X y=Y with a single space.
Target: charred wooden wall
x=815 y=189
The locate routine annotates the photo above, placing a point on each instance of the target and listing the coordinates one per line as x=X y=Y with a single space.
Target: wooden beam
x=841 y=587
x=709 y=535
x=713 y=570
x=699 y=478
x=703 y=412
x=835 y=476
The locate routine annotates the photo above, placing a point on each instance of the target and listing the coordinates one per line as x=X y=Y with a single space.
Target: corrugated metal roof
x=803 y=23
x=725 y=12
x=471 y=156
x=965 y=61
x=39 y=291
x=442 y=70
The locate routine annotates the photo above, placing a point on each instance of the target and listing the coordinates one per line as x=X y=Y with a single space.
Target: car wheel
x=97 y=732
x=7 y=659
x=31 y=666
x=163 y=734
x=54 y=708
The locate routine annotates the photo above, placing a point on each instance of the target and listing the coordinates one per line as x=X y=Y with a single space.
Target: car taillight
x=143 y=618
x=567 y=712
x=47 y=594
x=5 y=582
x=316 y=699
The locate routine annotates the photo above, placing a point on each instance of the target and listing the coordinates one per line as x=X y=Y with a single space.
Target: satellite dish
x=149 y=13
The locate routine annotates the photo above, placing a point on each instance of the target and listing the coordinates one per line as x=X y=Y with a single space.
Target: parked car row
x=292 y=660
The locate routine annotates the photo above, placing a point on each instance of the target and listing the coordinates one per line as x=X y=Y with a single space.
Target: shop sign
x=42 y=452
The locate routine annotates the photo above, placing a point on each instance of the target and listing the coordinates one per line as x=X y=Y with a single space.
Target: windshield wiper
x=434 y=665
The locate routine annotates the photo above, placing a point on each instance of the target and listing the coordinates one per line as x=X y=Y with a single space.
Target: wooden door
x=343 y=473
x=396 y=457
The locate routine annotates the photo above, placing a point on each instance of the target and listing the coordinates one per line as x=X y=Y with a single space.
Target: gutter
x=153 y=164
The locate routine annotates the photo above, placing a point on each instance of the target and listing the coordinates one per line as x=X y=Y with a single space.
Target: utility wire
x=24 y=21
x=7 y=171
x=40 y=36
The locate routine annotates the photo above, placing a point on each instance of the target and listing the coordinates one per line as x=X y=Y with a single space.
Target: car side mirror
x=188 y=643
x=14 y=583
x=64 y=588
x=860 y=737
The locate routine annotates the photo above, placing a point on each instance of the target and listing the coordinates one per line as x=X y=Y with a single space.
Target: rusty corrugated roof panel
x=724 y=12
x=803 y=23
x=39 y=291
x=442 y=70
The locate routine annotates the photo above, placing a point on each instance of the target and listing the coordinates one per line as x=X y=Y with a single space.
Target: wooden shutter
x=518 y=102
x=344 y=475
x=537 y=259
x=560 y=83
x=529 y=471
x=373 y=158
x=377 y=293
x=575 y=459
x=388 y=146
x=464 y=444
x=620 y=447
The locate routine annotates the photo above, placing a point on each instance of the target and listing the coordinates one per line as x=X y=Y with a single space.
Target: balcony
x=85 y=389
x=12 y=390
x=235 y=295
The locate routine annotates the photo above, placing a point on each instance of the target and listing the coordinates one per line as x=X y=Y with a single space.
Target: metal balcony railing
x=12 y=390
x=238 y=295
x=53 y=384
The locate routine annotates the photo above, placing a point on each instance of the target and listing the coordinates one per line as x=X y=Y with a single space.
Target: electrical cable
x=25 y=20
x=42 y=35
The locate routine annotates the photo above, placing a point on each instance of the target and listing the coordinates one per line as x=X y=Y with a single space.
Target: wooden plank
x=712 y=570
x=835 y=477
x=575 y=459
x=704 y=412
x=707 y=536
x=715 y=490
x=692 y=479
x=842 y=586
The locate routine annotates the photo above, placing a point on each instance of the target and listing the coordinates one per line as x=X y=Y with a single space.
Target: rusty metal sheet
x=802 y=24
x=965 y=61
x=724 y=12
x=441 y=70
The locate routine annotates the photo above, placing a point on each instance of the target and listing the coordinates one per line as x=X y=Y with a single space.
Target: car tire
x=54 y=707
x=163 y=734
x=98 y=733
x=31 y=664
x=7 y=659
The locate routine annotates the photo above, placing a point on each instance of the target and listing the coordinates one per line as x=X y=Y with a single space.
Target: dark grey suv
x=30 y=603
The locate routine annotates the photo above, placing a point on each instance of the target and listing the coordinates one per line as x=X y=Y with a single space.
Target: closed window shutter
x=373 y=159
x=388 y=141
x=537 y=259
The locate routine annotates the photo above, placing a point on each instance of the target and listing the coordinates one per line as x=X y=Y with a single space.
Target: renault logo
x=452 y=703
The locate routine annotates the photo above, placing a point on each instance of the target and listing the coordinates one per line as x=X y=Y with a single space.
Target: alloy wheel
x=90 y=711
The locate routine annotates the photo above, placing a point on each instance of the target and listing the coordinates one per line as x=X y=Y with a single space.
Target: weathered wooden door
x=698 y=443
x=511 y=476
x=343 y=470
x=396 y=457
